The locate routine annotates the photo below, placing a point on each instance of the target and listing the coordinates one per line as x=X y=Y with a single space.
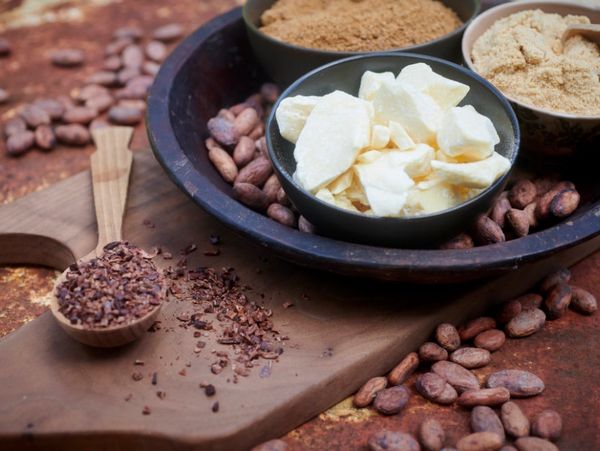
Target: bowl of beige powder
x=292 y=37
x=553 y=85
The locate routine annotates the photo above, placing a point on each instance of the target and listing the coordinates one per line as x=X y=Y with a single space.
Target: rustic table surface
x=563 y=354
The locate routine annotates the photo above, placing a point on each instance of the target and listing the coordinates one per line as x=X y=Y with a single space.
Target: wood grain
x=56 y=394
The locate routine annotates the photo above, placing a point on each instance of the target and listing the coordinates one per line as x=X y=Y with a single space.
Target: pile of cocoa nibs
x=120 y=286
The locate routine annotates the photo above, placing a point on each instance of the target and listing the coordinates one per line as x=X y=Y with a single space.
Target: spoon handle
x=588 y=31
x=111 y=166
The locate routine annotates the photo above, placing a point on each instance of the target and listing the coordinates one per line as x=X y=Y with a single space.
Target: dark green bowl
x=285 y=62
x=416 y=232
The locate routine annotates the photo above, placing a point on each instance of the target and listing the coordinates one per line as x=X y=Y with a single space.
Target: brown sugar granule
x=358 y=25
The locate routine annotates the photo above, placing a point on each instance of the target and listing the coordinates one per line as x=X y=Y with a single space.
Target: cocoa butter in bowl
x=419 y=230
x=302 y=35
x=544 y=88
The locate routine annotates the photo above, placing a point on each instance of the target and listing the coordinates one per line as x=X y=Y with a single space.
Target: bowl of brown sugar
x=553 y=83
x=293 y=37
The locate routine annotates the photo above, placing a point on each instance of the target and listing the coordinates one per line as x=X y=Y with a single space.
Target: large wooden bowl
x=215 y=67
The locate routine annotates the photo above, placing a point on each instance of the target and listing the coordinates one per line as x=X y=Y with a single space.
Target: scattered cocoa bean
x=102 y=78
x=223 y=131
x=5 y=47
x=150 y=68
x=475 y=327
x=484 y=397
x=116 y=47
x=251 y=196
x=4 y=96
x=14 y=125
x=401 y=372
x=471 y=357
x=462 y=241
x=522 y=193
x=390 y=401
x=258 y=132
x=271 y=445
x=499 y=210
x=168 y=33
x=255 y=101
x=271 y=187
x=565 y=203
x=457 y=376
x=131 y=103
x=544 y=184
x=366 y=394
x=261 y=146
x=392 y=441
x=303 y=224
x=98 y=123
x=245 y=121
x=72 y=135
x=519 y=221
x=282 y=198
x=19 y=142
x=486 y=231
x=135 y=92
x=542 y=208
x=520 y=384
x=562 y=275
x=127 y=74
x=448 y=396
x=225 y=113
x=128 y=32
x=100 y=103
x=558 y=300
x=112 y=63
x=281 y=214
x=34 y=116
x=447 y=336
x=431 y=435
x=44 y=137
x=548 y=425
x=583 y=301
x=133 y=56
x=514 y=420
x=526 y=323
x=80 y=115
x=67 y=57
x=123 y=115
x=480 y=441
x=535 y=444
x=87 y=92
x=156 y=51
x=432 y=352
x=222 y=161
x=530 y=212
x=484 y=419
x=256 y=172
x=492 y=339
x=530 y=301
x=244 y=151
x=430 y=385
x=53 y=107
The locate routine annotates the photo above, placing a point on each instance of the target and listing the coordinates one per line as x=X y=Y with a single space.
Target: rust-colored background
x=565 y=354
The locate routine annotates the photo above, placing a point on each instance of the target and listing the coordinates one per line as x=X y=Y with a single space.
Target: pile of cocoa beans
x=446 y=376
x=238 y=150
x=114 y=94
x=527 y=206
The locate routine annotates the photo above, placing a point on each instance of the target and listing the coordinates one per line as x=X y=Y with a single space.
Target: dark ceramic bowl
x=418 y=231
x=285 y=62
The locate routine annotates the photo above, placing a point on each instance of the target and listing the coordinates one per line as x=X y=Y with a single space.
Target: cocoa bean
x=255 y=101
x=222 y=161
x=150 y=68
x=271 y=187
x=142 y=81
x=80 y=115
x=44 y=137
x=558 y=300
x=127 y=74
x=245 y=121
x=100 y=103
x=392 y=441
x=34 y=116
x=14 y=125
x=430 y=385
x=565 y=184
x=156 y=51
x=507 y=311
x=250 y=195
x=4 y=96
x=562 y=275
x=514 y=420
x=281 y=214
x=256 y=172
x=72 y=135
x=112 y=63
x=583 y=301
x=19 y=142
x=5 y=47
x=543 y=185
x=258 y=132
x=116 y=47
x=548 y=425
x=486 y=231
x=499 y=209
x=565 y=203
x=484 y=419
x=520 y=384
x=97 y=124
x=303 y=224
x=67 y=57
x=432 y=435
x=519 y=221
x=522 y=193
x=53 y=107
x=535 y=444
x=526 y=323
x=282 y=198
x=366 y=394
x=448 y=396
x=136 y=92
x=462 y=241
x=102 y=78
x=131 y=103
x=492 y=339
x=89 y=91
x=168 y=33
x=542 y=208
x=128 y=32
x=457 y=376
x=132 y=56
x=225 y=113
x=223 y=131
x=530 y=301
x=244 y=151
x=531 y=217
x=475 y=327
x=390 y=401
x=432 y=352
x=484 y=397
x=123 y=115
x=480 y=441
x=471 y=357
x=447 y=336
x=261 y=146
x=401 y=372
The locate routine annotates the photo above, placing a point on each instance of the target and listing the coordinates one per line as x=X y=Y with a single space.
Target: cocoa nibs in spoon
x=119 y=287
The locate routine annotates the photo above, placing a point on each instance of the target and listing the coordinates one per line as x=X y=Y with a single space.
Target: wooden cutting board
x=56 y=394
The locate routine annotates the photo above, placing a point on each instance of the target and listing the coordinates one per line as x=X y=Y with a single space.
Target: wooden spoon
x=588 y=31
x=110 y=166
